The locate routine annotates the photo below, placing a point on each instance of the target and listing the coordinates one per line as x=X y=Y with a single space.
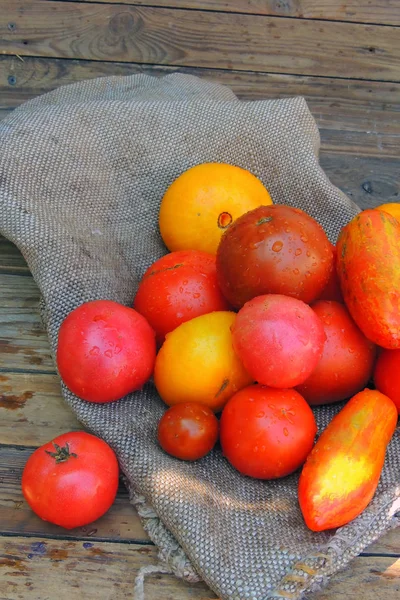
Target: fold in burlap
x=82 y=173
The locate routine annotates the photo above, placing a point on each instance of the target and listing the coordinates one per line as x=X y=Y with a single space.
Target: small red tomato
x=278 y=339
x=347 y=359
x=267 y=433
x=178 y=287
x=386 y=375
x=332 y=289
x=105 y=351
x=274 y=250
x=72 y=480
x=188 y=431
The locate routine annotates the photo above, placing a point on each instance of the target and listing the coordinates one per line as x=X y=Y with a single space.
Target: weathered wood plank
x=203 y=39
x=120 y=523
x=11 y=259
x=36 y=569
x=32 y=411
x=352 y=116
x=357 y=11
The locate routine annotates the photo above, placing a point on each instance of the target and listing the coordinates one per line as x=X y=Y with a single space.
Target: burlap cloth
x=82 y=173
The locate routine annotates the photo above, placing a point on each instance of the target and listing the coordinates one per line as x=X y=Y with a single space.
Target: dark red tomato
x=332 y=289
x=188 y=431
x=178 y=287
x=105 y=351
x=278 y=339
x=267 y=433
x=274 y=250
x=386 y=375
x=72 y=480
x=347 y=359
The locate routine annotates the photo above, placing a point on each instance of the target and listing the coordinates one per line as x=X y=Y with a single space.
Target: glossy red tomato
x=278 y=339
x=274 y=250
x=105 y=351
x=332 y=289
x=72 y=480
x=178 y=287
x=386 y=375
x=347 y=359
x=267 y=433
x=188 y=430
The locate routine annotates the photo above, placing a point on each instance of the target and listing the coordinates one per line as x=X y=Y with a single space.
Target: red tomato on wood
x=387 y=375
x=72 y=480
x=347 y=360
x=267 y=433
x=342 y=472
x=188 y=431
x=105 y=351
x=178 y=287
x=278 y=339
x=274 y=250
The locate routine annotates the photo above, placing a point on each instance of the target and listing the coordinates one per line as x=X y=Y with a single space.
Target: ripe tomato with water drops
x=72 y=480
x=274 y=249
x=188 y=431
x=105 y=350
x=178 y=287
x=267 y=433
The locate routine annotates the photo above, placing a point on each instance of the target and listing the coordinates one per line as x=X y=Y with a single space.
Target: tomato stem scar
x=62 y=454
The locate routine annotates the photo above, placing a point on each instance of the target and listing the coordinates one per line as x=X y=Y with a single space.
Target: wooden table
x=344 y=57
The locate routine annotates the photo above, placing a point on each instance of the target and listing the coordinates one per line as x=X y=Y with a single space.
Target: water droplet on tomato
x=94 y=351
x=304 y=238
x=108 y=353
x=285 y=431
x=298 y=251
x=255 y=449
x=261 y=414
x=308 y=253
x=117 y=349
x=277 y=246
x=196 y=295
x=296 y=271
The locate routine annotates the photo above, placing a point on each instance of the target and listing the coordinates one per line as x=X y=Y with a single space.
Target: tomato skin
x=188 y=431
x=265 y=432
x=274 y=250
x=105 y=351
x=386 y=375
x=342 y=471
x=77 y=491
x=347 y=360
x=368 y=258
x=278 y=339
x=178 y=287
x=332 y=289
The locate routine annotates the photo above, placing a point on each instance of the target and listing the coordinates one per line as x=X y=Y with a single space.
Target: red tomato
x=178 y=287
x=188 y=430
x=274 y=250
x=105 y=351
x=332 y=289
x=267 y=433
x=386 y=375
x=278 y=339
x=72 y=480
x=347 y=359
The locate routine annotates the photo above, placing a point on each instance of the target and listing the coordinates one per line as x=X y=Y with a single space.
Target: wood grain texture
x=353 y=10
x=39 y=569
x=361 y=117
x=32 y=411
x=120 y=523
x=115 y=32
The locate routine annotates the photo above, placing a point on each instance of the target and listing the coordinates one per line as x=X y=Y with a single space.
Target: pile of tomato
x=251 y=319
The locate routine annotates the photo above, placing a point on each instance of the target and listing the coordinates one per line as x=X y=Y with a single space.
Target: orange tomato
x=393 y=208
x=202 y=203
x=197 y=363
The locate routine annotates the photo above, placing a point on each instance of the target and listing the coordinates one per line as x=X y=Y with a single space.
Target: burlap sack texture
x=82 y=173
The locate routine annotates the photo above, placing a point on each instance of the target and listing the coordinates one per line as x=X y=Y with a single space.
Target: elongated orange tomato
x=368 y=265
x=342 y=471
